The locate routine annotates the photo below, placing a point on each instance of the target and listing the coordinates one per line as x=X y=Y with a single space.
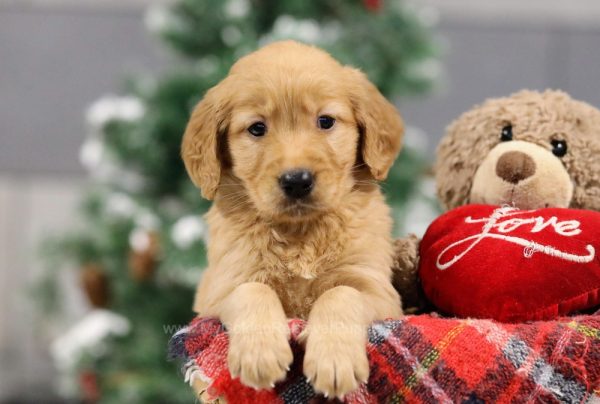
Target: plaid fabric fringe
x=427 y=359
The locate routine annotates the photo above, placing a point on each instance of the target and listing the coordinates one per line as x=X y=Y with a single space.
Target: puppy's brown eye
x=506 y=133
x=559 y=148
x=325 y=122
x=257 y=129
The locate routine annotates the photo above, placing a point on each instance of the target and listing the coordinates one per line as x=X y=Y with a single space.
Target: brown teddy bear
x=531 y=150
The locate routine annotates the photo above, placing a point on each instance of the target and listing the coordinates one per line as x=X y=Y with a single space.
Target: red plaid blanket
x=427 y=359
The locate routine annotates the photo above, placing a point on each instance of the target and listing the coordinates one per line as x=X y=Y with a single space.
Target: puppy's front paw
x=336 y=364
x=259 y=358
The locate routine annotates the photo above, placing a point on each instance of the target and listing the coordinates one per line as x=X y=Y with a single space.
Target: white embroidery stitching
x=567 y=228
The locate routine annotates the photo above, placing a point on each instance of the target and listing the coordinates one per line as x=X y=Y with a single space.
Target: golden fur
x=327 y=259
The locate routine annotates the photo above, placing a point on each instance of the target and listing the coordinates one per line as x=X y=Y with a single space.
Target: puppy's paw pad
x=259 y=360
x=335 y=368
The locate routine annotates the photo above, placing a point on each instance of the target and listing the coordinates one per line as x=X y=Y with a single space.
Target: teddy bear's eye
x=506 y=133
x=559 y=148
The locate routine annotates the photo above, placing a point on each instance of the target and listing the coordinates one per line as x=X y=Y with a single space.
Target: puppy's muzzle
x=515 y=166
x=297 y=183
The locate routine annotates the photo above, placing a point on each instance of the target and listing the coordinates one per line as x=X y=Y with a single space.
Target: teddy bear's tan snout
x=522 y=174
x=514 y=166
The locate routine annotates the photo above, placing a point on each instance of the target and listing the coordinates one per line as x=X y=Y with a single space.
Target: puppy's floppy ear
x=200 y=146
x=379 y=122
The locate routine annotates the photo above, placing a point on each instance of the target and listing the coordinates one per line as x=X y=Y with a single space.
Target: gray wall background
x=58 y=56
x=54 y=61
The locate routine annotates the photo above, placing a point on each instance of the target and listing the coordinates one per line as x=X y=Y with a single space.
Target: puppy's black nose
x=297 y=183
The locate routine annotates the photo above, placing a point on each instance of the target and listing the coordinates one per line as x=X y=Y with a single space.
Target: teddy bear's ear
x=466 y=143
x=379 y=122
x=584 y=159
x=200 y=145
x=452 y=170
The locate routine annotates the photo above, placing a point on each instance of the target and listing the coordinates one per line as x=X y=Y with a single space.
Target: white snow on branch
x=87 y=337
x=305 y=30
x=111 y=107
x=187 y=230
x=92 y=153
x=158 y=18
x=237 y=8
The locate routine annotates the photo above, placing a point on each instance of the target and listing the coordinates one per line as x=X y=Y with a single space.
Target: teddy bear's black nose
x=515 y=166
x=296 y=183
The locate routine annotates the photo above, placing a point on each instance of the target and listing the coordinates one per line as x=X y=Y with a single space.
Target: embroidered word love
x=504 y=221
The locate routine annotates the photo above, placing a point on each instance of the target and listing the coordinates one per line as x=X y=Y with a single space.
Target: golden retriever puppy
x=290 y=146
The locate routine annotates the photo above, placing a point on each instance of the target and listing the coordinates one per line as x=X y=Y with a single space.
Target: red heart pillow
x=512 y=265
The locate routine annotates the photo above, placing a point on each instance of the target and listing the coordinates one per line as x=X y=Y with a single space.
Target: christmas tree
x=139 y=245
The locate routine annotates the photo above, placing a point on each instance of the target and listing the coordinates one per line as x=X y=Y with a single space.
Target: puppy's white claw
x=272 y=385
x=287 y=369
x=326 y=395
